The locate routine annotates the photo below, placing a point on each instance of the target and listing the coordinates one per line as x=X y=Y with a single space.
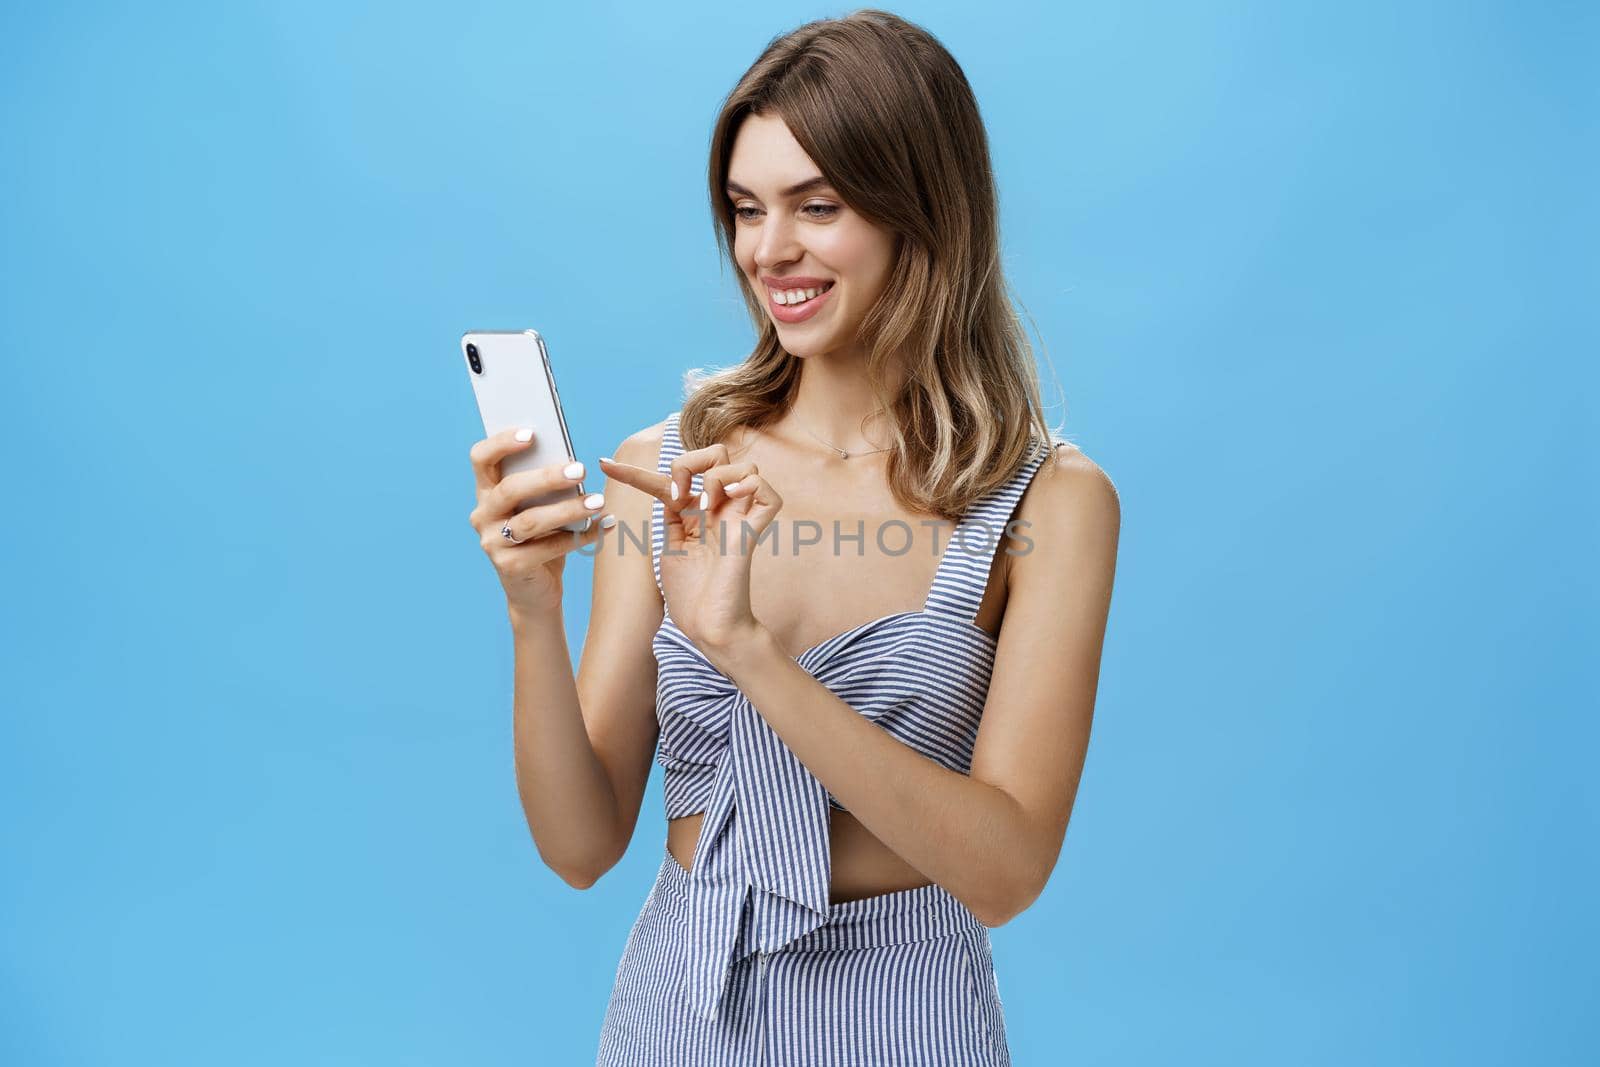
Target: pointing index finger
x=651 y=482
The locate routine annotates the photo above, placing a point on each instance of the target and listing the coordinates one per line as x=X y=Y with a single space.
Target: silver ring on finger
x=505 y=531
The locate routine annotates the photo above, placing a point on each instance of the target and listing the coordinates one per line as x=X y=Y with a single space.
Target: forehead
x=766 y=156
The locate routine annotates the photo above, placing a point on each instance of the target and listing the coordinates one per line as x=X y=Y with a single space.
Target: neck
x=834 y=401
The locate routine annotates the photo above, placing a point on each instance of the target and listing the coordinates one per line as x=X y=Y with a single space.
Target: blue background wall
x=1317 y=281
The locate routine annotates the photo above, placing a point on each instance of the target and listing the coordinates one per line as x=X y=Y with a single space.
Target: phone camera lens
x=472 y=359
x=472 y=350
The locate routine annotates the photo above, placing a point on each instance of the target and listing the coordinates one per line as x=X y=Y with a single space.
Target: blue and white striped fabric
x=903 y=977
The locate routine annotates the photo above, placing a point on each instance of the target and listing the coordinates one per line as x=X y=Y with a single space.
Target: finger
x=734 y=505
x=652 y=482
x=487 y=453
x=763 y=502
x=740 y=491
x=505 y=496
x=663 y=488
x=675 y=534
x=691 y=463
x=521 y=560
x=712 y=482
x=542 y=519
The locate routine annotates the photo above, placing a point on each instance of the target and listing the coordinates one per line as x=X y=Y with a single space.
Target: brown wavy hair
x=887 y=115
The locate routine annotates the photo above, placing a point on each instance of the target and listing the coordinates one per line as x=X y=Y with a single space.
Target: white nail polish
x=525 y=434
x=730 y=487
x=674 y=490
x=705 y=501
x=594 y=500
x=608 y=522
x=572 y=470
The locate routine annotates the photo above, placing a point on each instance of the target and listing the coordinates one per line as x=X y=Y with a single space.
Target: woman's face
x=793 y=234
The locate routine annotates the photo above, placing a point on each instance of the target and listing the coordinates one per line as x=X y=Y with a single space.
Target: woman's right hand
x=530 y=572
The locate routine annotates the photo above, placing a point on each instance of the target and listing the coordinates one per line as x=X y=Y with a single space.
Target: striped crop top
x=761 y=871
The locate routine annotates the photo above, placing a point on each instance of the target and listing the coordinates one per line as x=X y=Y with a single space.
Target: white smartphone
x=516 y=386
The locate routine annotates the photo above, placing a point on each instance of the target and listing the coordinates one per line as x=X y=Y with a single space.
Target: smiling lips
x=799 y=304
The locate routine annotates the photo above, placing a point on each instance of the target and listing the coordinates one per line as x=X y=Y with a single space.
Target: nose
x=779 y=241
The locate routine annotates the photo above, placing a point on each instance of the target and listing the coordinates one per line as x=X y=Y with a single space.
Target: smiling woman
x=870 y=758
x=856 y=145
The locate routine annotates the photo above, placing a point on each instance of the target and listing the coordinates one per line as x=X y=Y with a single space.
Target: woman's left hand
x=705 y=562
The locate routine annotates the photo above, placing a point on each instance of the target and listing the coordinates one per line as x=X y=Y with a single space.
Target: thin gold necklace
x=842 y=453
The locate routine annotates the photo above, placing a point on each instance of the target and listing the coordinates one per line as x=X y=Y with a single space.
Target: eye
x=746 y=213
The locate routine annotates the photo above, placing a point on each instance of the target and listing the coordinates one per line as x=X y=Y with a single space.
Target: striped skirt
x=902 y=979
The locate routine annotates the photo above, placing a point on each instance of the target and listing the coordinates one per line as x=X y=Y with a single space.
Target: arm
x=583 y=745
x=991 y=839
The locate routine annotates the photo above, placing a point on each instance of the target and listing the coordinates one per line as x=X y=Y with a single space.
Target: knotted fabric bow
x=761 y=869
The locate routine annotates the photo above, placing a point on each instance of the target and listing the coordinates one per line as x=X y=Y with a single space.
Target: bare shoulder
x=1072 y=502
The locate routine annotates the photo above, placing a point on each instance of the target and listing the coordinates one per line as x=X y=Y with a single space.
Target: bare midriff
x=862 y=865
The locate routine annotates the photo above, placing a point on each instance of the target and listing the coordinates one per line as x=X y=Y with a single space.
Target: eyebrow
x=819 y=182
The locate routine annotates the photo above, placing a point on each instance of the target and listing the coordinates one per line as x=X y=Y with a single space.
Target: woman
x=841 y=831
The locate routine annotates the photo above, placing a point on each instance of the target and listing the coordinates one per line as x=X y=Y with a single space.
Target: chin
x=808 y=348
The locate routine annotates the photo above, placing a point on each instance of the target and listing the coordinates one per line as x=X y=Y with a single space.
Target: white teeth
x=794 y=296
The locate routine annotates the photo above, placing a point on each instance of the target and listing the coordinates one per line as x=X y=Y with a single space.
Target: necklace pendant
x=843 y=454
